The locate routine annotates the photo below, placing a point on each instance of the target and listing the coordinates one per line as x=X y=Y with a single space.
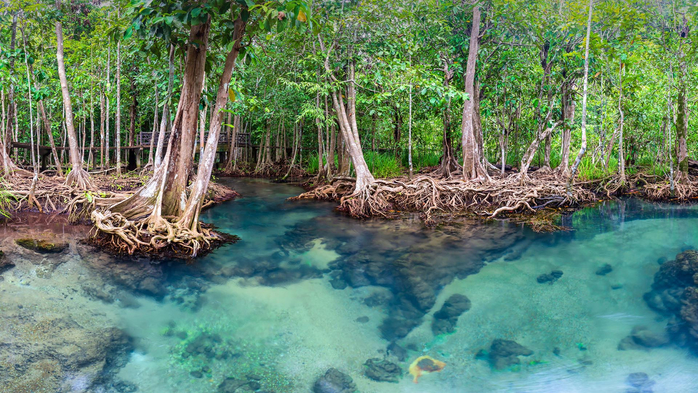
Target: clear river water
x=306 y=289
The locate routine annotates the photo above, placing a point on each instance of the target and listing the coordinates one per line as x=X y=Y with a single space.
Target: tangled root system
x=114 y=233
x=430 y=195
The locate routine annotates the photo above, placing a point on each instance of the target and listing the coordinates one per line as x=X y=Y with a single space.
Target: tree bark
x=190 y=217
x=449 y=163
x=165 y=193
x=117 y=131
x=77 y=176
x=533 y=147
x=47 y=128
x=165 y=110
x=585 y=94
x=472 y=157
x=621 y=152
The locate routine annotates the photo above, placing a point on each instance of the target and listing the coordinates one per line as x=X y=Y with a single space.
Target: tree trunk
x=102 y=116
x=165 y=110
x=165 y=193
x=117 y=136
x=91 y=156
x=472 y=157
x=47 y=128
x=321 y=168
x=568 y=108
x=585 y=94
x=350 y=133
x=531 y=151
x=449 y=163
x=77 y=176
x=409 y=133
x=621 y=153
x=107 y=152
x=682 y=129
x=190 y=217
x=154 y=134
x=11 y=107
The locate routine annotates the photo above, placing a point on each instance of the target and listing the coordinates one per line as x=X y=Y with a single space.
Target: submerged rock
x=604 y=270
x=503 y=353
x=642 y=338
x=382 y=370
x=41 y=245
x=446 y=318
x=396 y=350
x=675 y=294
x=402 y=261
x=52 y=354
x=549 y=278
x=5 y=263
x=334 y=381
x=640 y=383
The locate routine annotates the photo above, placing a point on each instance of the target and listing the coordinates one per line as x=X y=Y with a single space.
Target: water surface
x=306 y=289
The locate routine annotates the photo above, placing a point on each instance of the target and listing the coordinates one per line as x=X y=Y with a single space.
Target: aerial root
x=160 y=237
x=430 y=195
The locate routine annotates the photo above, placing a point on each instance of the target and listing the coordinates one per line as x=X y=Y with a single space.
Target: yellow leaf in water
x=231 y=95
x=301 y=16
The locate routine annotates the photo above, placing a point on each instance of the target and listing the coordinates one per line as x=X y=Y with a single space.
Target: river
x=306 y=289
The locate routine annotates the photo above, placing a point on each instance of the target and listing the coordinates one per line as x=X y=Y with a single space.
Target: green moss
x=41 y=246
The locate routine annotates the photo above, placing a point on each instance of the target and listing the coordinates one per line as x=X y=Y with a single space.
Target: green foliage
x=383 y=165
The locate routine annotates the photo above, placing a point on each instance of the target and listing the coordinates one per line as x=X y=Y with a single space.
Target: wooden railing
x=243 y=139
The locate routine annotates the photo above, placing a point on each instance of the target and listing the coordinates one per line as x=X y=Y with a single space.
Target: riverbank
x=537 y=200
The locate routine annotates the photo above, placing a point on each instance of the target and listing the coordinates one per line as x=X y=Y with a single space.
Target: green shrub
x=383 y=165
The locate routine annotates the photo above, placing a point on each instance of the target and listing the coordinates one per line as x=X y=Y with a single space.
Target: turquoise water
x=306 y=289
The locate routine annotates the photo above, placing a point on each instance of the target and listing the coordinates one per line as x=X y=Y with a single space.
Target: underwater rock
x=640 y=383
x=139 y=275
x=382 y=370
x=5 y=263
x=675 y=293
x=210 y=346
x=41 y=245
x=338 y=283
x=378 y=299
x=49 y=353
x=96 y=293
x=503 y=353
x=401 y=320
x=604 y=270
x=334 y=381
x=232 y=385
x=196 y=374
x=446 y=318
x=396 y=350
x=188 y=299
x=403 y=261
x=363 y=319
x=425 y=364
x=641 y=338
x=549 y=278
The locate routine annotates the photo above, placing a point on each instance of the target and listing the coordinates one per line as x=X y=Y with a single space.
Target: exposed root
x=430 y=195
x=118 y=235
x=80 y=179
x=657 y=189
